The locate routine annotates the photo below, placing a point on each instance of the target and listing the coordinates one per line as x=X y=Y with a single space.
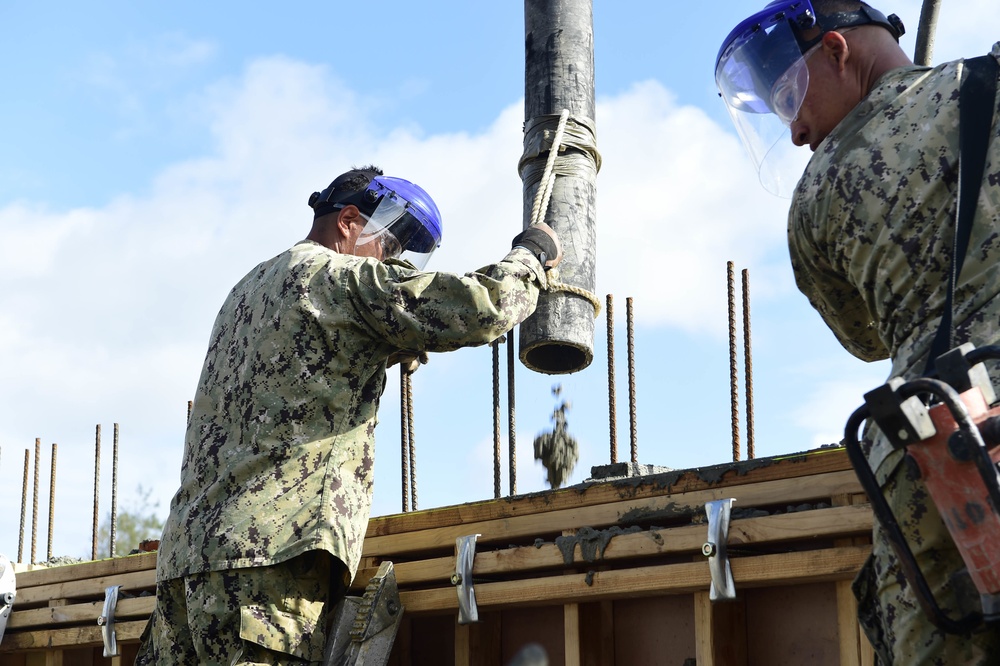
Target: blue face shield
x=402 y=221
x=405 y=221
x=762 y=77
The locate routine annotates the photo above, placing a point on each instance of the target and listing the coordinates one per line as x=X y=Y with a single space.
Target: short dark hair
x=828 y=7
x=843 y=14
x=347 y=183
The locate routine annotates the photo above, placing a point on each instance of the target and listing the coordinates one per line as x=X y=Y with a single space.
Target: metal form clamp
x=723 y=587
x=364 y=628
x=8 y=590
x=107 y=621
x=465 y=556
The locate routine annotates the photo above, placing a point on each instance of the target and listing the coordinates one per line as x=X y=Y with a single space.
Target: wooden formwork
x=606 y=572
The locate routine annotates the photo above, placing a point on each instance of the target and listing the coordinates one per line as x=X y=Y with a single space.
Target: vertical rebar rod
x=413 y=447
x=97 y=487
x=612 y=398
x=923 y=51
x=114 y=493
x=52 y=502
x=24 y=507
x=34 y=499
x=496 y=417
x=630 y=332
x=733 y=380
x=748 y=364
x=404 y=429
x=511 y=421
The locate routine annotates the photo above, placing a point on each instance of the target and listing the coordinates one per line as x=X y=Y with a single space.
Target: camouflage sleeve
x=837 y=300
x=438 y=312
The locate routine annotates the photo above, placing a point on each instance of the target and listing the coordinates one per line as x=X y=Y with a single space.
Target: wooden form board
x=798 y=521
x=57 y=608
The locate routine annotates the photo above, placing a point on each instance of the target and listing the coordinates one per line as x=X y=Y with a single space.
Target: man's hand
x=541 y=240
x=408 y=360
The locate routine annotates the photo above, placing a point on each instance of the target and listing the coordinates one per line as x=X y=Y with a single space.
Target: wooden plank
x=782 y=491
x=757 y=571
x=88 y=588
x=720 y=631
x=75 y=637
x=703 y=637
x=597 y=633
x=571 y=634
x=463 y=645
x=485 y=640
x=847 y=625
x=78 y=613
x=86 y=570
x=802 y=525
x=808 y=463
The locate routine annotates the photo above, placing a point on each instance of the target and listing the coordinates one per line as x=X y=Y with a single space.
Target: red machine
x=951 y=436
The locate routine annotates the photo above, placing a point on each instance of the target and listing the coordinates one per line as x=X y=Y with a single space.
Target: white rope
x=541 y=206
x=548 y=178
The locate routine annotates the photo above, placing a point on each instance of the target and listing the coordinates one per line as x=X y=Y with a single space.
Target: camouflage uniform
x=870 y=233
x=280 y=445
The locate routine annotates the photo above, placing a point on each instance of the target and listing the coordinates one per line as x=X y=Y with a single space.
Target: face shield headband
x=762 y=76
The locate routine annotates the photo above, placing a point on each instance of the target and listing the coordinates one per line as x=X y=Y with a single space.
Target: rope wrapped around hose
x=576 y=139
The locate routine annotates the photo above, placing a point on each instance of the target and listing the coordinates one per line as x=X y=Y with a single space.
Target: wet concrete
x=592 y=542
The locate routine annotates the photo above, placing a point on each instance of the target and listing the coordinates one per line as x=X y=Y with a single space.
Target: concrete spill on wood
x=592 y=542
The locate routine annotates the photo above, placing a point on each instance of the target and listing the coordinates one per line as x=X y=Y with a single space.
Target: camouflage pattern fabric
x=280 y=445
x=870 y=233
x=265 y=615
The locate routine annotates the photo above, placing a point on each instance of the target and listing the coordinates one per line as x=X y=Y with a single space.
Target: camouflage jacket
x=280 y=444
x=872 y=221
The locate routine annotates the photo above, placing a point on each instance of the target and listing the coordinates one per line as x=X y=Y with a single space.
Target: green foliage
x=136 y=523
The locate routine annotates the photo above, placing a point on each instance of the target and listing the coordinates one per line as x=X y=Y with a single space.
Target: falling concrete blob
x=557 y=450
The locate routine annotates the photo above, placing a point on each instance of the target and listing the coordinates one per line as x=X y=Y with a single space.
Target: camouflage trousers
x=888 y=609
x=265 y=615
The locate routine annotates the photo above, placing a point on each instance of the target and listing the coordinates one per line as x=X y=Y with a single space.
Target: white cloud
x=677 y=199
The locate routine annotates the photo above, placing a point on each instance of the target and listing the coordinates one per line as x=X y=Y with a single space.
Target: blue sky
x=153 y=154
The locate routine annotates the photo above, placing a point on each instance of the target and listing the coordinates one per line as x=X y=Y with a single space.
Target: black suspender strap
x=977 y=99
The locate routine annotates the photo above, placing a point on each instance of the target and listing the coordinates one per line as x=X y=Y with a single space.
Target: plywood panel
x=542 y=625
x=658 y=631
x=432 y=639
x=795 y=624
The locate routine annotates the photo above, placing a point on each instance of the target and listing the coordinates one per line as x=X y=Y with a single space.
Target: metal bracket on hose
x=465 y=556
x=107 y=621
x=723 y=587
x=8 y=591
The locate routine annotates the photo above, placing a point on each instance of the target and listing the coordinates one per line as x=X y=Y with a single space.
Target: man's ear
x=347 y=216
x=835 y=46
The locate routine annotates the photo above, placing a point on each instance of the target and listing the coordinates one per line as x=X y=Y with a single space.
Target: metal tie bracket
x=107 y=621
x=465 y=555
x=722 y=586
x=8 y=590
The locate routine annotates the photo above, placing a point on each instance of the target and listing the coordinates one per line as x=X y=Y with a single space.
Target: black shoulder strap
x=977 y=99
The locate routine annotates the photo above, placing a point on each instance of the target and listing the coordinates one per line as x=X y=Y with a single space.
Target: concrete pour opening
x=556 y=358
